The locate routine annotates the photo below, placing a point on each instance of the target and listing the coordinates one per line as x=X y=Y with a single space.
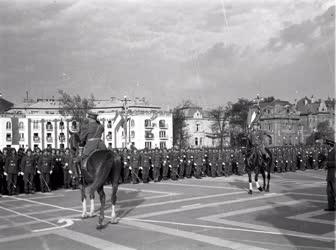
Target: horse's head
x=74 y=141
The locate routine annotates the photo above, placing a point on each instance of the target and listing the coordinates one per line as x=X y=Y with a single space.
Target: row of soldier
x=29 y=171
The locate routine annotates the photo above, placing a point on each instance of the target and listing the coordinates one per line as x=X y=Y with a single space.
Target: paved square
x=212 y=213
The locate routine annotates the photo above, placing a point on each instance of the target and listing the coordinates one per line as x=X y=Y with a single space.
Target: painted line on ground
x=198 y=186
x=308 y=217
x=176 y=210
x=309 y=236
x=33 y=198
x=192 y=205
x=217 y=217
x=143 y=190
x=91 y=241
x=28 y=216
x=190 y=235
x=308 y=194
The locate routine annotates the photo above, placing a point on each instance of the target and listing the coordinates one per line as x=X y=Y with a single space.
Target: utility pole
x=125 y=114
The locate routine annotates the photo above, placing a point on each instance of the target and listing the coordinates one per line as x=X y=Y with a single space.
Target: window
x=162 y=134
x=109 y=135
x=21 y=126
x=110 y=145
x=35 y=124
x=122 y=133
x=197 y=127
x=149 y=135
x=48 y=145
x=49 y=126
x=49 y=138
x=123 y=144
x=62 y=146
x=132 y=123
x=196 y=141
x=213 y=142
x=8 y=125
x=162 y=123
x=35 y=146
x=61 y=125
x=132 y=134
x=8 y=137
x=201 y=141
x=148 y=123
x=162 y=144
x=62 y=137
x=148 y=144
x=74 y=125
x=21 y=136
x=109 y=124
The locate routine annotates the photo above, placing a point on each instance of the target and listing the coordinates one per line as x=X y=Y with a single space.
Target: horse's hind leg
x=114 y=200
x=101 y=193
x=250 y=181
x=83 y=198
x=268 y=174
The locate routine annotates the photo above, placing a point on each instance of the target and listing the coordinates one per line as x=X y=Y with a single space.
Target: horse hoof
x=114 y=220
x=92 y=215
x=260 y=189
x=99 y=226
x=267 y=190
x=250 y=192
x=85 y=216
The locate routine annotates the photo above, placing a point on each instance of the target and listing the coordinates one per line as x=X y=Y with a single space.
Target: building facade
x=199 y=128
x=40 y=124
x=292 y=124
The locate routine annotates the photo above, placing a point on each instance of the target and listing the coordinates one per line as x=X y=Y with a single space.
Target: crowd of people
x=30 y=171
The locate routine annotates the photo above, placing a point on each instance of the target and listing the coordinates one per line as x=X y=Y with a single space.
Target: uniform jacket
x=331 y=165
x=11 y=165
x=45 y=164
x=90 y=136
x=27 y=165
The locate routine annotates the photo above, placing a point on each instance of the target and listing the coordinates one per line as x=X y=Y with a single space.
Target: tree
x=219 y=126
x=75 y=106
x=323 y=131
x=239 y=113
x=180 y=132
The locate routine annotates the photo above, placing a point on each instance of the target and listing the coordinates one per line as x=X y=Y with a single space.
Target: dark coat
x=331 y=165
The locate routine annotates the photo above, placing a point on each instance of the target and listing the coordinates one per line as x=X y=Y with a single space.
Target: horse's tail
x=101 y=174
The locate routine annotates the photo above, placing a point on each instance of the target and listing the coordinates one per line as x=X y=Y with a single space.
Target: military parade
x=28 y=171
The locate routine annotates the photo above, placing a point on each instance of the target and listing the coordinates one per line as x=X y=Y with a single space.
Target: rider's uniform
x=90 y=136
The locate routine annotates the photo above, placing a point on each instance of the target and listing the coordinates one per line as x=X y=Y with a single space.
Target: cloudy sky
x=209 y=51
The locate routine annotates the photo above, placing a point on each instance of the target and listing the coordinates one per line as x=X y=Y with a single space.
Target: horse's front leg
x=257 y=182
x=114 y=219
x=83 y=198
x=91 y=214
x=268 y=174
x=102 y=207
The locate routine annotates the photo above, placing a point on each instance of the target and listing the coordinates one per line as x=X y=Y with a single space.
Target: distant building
x=312 y=112
x=281 y=121
x=292 y=124
x=199 y=128
x=40 y=124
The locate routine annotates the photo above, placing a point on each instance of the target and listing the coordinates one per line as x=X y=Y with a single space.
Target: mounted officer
x=90 y=137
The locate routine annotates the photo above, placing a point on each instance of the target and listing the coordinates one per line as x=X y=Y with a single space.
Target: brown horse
x=256 y=162
x=102 y=166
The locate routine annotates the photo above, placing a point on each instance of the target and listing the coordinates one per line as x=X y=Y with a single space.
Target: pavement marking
x=28 y=216
x=192 y=205
x=309 y=217
x=190 y=235
x=309 y=236
x=33 y=198
x=176 y=210
x=309 y=194
x=91 y=241
x=143 y=190
x=198 y=186
x=217 y=217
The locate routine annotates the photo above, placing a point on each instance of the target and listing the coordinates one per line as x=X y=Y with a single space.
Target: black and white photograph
x=167 y=125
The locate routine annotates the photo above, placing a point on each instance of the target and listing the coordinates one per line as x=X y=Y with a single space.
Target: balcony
x=109 y=125
x=149 y=136
x=61 y=127
x=164 y=137
x=21 y=139
x=49 y=128
x=61 y=138
x=36 y=139
x=109 y=137
x=163 y=126
x=49 y=139
x=8 y=139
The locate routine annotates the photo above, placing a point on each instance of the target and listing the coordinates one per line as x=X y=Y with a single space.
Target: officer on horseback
x=90 y=137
